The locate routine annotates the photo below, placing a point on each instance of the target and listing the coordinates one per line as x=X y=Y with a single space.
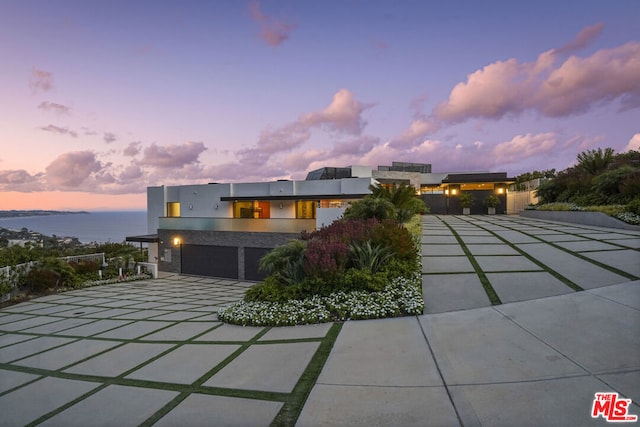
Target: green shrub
x=271 y=289
x=371 y=207
x=466 y=199
x=362 y=279
x=491 y=201
x=50 y=273
x=634 y=206
x=285 y=262
x=368 y=256
x=39 y=280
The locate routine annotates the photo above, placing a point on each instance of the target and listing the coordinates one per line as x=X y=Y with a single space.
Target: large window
x=173 y=209
x=253 y=209
x=305 y=209
x=333 y=203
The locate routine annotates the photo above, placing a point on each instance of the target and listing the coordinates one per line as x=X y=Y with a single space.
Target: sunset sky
x=99 y=100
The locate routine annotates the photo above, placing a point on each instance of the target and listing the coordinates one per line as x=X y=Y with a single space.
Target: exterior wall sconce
x=176 y=241
x=446 y=192
x=216 y=206
x=281 y=206
x=454 y=191
x=500 y=190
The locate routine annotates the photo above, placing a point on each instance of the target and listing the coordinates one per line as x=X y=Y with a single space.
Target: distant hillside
x=17 y=214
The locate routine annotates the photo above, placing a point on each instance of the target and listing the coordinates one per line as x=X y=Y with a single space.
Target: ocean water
x=98 y=227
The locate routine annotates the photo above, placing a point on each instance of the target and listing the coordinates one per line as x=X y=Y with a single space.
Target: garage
x=209 y=260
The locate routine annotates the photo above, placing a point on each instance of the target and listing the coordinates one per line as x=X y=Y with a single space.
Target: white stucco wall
x=155 y=208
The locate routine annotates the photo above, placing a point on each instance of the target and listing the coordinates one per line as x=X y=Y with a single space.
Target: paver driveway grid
x=524 y=321
x=66 y=361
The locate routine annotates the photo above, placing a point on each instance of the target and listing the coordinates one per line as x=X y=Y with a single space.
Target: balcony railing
x=271 y=225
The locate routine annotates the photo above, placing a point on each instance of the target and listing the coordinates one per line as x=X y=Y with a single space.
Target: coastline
x=37 y=212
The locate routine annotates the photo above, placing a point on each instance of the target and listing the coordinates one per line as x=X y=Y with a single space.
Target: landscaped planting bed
x=403 y=297
x=353 y=269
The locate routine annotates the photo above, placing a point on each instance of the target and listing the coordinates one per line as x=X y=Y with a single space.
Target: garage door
x=208 y=260
x=251 y=260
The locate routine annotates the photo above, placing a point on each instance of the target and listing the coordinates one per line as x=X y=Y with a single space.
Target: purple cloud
x=273 y=31
x=109 y=137
x=582 y=40
x=132 y=149
x=172 y=156
x=71 y=170
x=40 y=80
x=52 y=107
x=59 y=130
x=20 y=180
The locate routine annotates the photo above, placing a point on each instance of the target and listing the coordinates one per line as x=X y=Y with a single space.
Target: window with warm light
x=305 y=209
x=254 y=209
x=173 y=209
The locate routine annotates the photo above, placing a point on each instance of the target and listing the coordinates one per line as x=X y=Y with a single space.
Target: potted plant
x=491 y=202
x=466 y=201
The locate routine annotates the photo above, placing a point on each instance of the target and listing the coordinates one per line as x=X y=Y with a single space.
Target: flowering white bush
x=402 y=297
x=629 y=217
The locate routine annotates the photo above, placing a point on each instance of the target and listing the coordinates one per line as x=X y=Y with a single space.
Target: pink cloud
x=172 y=156
x=273 y=31
x=344 y=114
x=40 y=81
x=550 y=85
x=419 y=127
x=579 y=84
x=53 y=107
x=574 y=86
x=71 y=170
x=634 y=144
x=521 y=147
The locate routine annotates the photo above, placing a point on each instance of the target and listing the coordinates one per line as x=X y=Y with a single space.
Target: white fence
x=12 y=273
x=151 y=267
x=89 y=257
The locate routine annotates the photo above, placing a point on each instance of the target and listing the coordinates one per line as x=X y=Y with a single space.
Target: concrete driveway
x=525 y=321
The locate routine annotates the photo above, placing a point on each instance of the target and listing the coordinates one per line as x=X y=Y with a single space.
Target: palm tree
x=403 y=197
x=595 y=161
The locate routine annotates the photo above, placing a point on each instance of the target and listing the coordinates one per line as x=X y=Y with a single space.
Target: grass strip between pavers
x=576 y=254
x=290 y=412
x=66 y=406
x=545 y=267
x=491 y=293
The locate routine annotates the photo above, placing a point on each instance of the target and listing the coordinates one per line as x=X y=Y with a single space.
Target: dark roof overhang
x=145 y=238
x=297 y=197
x=479 y=177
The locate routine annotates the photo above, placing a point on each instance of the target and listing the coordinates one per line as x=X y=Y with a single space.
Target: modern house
x=223 y=229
